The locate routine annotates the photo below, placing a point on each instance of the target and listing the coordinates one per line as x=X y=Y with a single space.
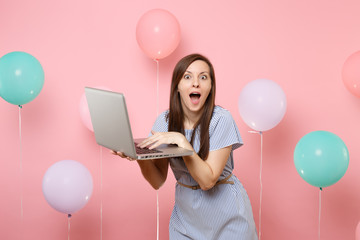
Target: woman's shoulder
x=220 y=115
x=223 y=129
x=163 y=117
x=161 y=123
x=164 y=113
x=220 y=112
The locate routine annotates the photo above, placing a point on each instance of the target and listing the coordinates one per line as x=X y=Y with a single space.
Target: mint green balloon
x=321 y=158
x=21 y=77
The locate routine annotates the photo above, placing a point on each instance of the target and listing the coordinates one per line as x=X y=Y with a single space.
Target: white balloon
x=67 y=186
x=262 y=104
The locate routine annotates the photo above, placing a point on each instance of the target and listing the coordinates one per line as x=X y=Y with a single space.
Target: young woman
x=210 y=202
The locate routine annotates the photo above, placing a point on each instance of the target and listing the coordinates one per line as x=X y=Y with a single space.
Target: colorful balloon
x=21 y=78
x=351 y=73
x=321 y=158
x=67 y=186
x=262 y=104
x=158 y=33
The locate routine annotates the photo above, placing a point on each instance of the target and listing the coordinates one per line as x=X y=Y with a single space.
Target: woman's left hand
x=159 y=138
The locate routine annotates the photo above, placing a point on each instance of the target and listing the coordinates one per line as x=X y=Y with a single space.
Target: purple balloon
x=262 y=104
x=67 y=186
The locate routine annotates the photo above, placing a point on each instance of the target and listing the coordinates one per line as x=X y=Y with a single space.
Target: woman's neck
x=191 y=118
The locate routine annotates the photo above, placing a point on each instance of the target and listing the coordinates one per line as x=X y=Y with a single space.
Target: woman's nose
x=196 y=82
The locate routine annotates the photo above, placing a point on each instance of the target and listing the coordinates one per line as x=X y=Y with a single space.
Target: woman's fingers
x=148 y=141
x=118 y=153
x=159 y=138
x=156 y=139
x=155 y=144
x=122 y=155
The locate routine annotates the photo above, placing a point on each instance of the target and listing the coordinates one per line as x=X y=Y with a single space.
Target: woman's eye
x=203 y=77
x=187 y=76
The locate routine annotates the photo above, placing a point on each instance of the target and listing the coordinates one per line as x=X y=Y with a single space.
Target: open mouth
x=195 y=97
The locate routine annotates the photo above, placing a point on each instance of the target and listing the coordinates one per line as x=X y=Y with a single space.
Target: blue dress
x=221 y=213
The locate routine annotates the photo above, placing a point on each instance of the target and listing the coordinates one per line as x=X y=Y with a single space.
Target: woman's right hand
x=122 y=155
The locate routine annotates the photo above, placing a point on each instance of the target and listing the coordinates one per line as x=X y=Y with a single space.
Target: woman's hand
x=121 y=154
x=159 y=138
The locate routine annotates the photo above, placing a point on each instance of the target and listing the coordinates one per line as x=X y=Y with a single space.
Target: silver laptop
x=112 y=128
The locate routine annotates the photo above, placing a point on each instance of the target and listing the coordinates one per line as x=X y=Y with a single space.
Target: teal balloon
x=321 y=158
x=21 y=77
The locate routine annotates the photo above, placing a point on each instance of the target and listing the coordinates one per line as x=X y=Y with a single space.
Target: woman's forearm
x=206 y=172
x=154 y=171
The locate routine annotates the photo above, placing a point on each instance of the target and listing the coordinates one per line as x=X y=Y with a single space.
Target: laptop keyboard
x=145 y=150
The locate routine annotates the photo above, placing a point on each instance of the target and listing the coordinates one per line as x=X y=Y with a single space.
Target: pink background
x=301 y=45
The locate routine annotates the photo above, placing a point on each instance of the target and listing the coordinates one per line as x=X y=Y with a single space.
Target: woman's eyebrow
x=187 y=71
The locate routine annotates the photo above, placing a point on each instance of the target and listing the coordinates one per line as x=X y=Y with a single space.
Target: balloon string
x=157 y=113
x=101 y=190
x=261 y=185
x=319 y=212
x=157 y=87
x=69 y=216
x=157 y=215
x=21 y=169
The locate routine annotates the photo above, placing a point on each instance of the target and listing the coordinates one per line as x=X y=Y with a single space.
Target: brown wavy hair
x=176 y=115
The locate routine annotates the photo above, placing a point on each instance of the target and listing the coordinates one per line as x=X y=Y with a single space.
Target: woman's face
x=194 y=87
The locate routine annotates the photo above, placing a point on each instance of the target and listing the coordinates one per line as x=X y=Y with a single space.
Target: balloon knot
x=69 y=215
x=320 y=188
x=20 y=106
x=259 y=132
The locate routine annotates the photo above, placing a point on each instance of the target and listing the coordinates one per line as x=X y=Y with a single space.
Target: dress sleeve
x=224 y=132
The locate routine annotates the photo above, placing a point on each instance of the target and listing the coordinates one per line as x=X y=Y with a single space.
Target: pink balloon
x=67 y=186
x=351 y=73
x=84 y=110
x=262 y=104
x=158 y=33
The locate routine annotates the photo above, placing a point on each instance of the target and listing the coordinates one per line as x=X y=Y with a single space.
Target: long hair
x=176 y=114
